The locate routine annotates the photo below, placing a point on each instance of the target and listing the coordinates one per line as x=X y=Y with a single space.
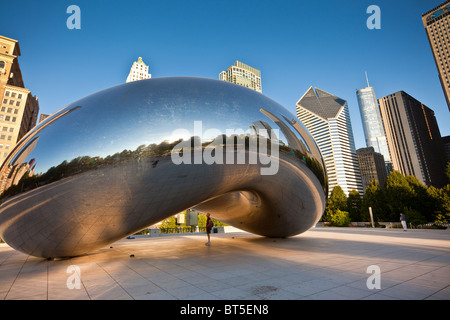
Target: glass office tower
x=372 y=124
x=327 y=118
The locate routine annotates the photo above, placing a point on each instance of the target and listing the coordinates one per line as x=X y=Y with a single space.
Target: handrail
x=182 y=229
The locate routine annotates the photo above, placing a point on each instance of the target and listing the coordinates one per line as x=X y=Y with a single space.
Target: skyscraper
x=18 y=108
x=244 y=75
x=413 y=138
x=372 y=166
x=42 y=117
x=327 y=118
x=446 y=146
x=436 y=22
x=372 y=123
x=138 y=71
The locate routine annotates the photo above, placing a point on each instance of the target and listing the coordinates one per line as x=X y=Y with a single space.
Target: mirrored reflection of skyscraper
x=327 y=118
x=372 y=123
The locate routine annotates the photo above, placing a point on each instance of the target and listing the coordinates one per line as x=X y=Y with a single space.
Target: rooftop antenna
x=367 y=79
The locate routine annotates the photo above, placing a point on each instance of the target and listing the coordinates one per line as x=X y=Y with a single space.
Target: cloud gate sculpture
x=124 y=158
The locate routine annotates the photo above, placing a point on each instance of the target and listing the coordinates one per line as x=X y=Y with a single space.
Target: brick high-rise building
x=18 y=108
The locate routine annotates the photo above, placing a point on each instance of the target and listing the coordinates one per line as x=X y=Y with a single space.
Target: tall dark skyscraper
x=413 y=138
x=372 y=166
x=446 y=145
x=436 y=23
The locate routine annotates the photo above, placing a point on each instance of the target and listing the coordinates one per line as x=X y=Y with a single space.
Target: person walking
x=403 y=221
x=209 y=225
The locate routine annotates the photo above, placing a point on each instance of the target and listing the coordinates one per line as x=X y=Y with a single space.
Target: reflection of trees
x=318 y=170
x=313 y=164
x=253 y=140
x=151 y=152
x=85 y=163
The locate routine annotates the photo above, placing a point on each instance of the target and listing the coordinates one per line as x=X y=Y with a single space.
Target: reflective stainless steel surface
x=111 y=164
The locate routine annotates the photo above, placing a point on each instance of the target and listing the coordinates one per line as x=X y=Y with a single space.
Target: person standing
x=403 y=221
x=209 y=225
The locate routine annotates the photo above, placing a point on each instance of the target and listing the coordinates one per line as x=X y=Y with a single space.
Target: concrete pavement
x=320 y=264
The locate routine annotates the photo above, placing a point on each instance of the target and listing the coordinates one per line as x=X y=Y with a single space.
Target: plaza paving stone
x=320 y=264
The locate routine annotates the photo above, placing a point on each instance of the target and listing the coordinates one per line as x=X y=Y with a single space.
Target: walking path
x=320 y=264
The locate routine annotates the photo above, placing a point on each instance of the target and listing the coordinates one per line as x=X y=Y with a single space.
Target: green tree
x=202 y=221
x=447 y=172
x=398 y=194
x=336 y=201
x=354 y=202
x=441 y=203
x=340 y=218
x=420 y=199
x=413 y=216
x=374 y=198
x=170 y=222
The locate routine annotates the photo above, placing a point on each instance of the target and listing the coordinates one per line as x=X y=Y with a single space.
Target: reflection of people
x=208 y=228
x=403 y=221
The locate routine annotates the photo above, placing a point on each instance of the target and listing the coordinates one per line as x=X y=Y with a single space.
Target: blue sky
x=295 y=44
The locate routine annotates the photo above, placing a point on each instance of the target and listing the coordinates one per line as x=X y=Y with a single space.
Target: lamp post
x=371 y=217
